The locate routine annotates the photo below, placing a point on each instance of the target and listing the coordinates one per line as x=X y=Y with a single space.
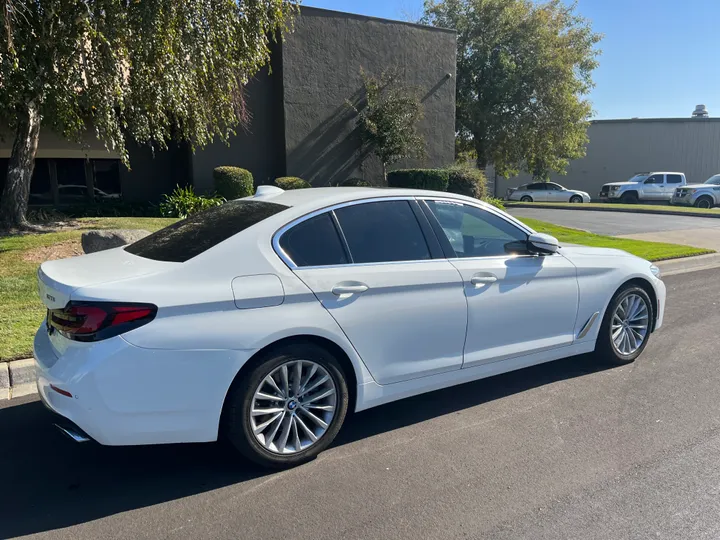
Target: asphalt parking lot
x=569 y=449
x=617 y=223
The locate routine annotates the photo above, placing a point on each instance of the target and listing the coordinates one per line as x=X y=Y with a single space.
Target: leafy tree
x=523 y=71
x=388 y=121
x=151 y=71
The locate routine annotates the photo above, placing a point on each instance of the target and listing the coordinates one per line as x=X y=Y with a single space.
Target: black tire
x=576 y=199
x=605 y=350
x=236 y=418
x=526 y=198
x=704 y=202
x=629 y=198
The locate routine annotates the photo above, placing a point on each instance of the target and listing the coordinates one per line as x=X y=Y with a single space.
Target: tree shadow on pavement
x=48 y=482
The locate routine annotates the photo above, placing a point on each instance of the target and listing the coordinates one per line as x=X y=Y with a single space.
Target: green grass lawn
x=652 y=251
x=656 y=208
x=21 y=310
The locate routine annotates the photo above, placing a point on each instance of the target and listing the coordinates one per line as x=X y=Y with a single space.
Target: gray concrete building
x=301 y=123
x=617 y=149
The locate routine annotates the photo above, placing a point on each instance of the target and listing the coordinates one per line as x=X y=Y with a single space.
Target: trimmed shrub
x=355 y=182
x=467 y=181
x=183 y=201
x=291 y=182
x=433 y=179
x=498 y=203
x=233 y=182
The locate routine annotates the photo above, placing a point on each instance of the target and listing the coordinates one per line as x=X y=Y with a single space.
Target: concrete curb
x=672 y=267
x=626 y=208
x=17 y=378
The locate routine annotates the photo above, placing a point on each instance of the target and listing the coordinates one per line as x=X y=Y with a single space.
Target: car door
x=653 y=187
x=672 y=182
x=518 y=304
x=398 y=300
x=556 y=193
x=537 y=191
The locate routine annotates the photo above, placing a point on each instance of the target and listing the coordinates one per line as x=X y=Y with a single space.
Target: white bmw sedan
x=547 y=192
x=265 y=319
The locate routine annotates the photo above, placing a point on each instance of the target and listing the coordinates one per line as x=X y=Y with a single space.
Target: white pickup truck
x=652 y=186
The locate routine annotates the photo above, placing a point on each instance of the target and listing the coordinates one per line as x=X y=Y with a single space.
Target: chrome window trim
x=489 y=208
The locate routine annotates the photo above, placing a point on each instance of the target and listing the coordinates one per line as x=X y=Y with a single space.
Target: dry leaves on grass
x=61 y=250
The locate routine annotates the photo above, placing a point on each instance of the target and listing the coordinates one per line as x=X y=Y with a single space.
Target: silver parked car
x=547 y=192
x=706 y=195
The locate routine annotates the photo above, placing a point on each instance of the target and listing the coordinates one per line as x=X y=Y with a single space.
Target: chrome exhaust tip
x=75 y=434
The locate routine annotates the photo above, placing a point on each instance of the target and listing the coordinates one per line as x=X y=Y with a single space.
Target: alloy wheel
x=293 y=407
x=630 y=324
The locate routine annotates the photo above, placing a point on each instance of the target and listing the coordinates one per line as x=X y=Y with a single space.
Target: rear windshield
x=198 y=233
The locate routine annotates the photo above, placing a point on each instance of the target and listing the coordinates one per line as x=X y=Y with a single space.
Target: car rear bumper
x=120 y=394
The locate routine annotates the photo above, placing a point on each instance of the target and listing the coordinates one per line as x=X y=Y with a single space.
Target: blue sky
x=660 y=57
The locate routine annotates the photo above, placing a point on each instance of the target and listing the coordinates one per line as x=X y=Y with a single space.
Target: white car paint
x=419 y=325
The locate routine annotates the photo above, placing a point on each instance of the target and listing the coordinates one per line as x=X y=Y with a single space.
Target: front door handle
x=483 y=279
x=343 y=290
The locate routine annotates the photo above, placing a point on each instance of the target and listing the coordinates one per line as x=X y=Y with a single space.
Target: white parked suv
x=267 y=318
x=706 y=195
x=652 y=186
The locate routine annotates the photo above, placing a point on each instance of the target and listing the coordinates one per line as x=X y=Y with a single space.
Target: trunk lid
x=58 y=279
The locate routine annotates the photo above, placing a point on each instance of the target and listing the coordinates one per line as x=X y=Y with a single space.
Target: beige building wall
x=620 y=148
x=52 y=145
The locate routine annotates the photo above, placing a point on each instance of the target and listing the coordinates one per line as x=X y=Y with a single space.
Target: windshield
x=199 y=232
x=639 y=177
x=714 y=180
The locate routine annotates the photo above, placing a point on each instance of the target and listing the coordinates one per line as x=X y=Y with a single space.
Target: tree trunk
x=14 y=201
x=384 y=167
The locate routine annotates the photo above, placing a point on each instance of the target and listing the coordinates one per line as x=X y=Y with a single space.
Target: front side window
x=674 y=179
x=473 y=232
x=714 y=180
x=655 y=179
x=314 y=242
x=385 y=231
x=199 y=232
x=554 y=187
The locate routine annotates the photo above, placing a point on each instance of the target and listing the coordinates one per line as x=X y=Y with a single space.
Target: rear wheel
x=629 y=198
x=625 y=330
x=288 y=408
x=576 y=199
x=704 y=202
x=526 y=198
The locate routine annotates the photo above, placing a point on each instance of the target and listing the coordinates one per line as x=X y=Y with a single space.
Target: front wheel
x=704 y=202
x=289 y=408
x=576 y=199
x=625 y=329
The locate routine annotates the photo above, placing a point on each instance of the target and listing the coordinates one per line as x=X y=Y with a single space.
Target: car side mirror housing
x=542 y=244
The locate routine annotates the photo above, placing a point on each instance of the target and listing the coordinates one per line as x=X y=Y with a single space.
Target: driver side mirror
x=536 y=244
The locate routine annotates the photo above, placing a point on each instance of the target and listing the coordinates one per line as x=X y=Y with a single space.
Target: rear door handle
x=344 y=290
x=483 y=279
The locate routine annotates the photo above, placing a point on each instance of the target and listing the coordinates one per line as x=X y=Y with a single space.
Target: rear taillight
x=93 y=321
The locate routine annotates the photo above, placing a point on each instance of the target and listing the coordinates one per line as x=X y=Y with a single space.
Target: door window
x=314 y=242
x=674 y=179
x=554 y=187
x=537 y=186
x=473 y=232
x=655 y=179
x=382 y=232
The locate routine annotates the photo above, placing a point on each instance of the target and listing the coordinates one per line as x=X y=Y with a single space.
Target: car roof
x=308 y=200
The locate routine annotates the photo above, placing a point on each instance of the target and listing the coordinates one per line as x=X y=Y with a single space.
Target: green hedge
x=433 y=179
x=233 y=182
x=467 y=181
x=355 y=182
x=291 y=182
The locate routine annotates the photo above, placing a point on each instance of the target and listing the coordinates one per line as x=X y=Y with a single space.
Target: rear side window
x=382 y=232
x=674 y=179
x=537 y=186
x=199 y=232
x=314 y=242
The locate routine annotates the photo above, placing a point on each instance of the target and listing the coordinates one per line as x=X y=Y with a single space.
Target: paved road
x=617 y=223
x=564 y=450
